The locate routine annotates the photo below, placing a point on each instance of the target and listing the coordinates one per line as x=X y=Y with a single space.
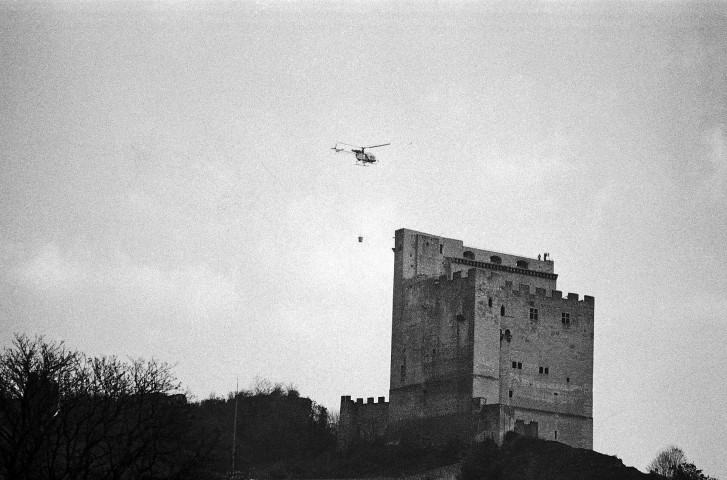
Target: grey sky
x=167 y=186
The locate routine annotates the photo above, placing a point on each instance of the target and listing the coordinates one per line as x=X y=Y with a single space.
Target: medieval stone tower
x=482 y=343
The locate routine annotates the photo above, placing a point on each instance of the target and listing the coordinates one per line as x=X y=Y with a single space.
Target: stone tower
x=482 y=343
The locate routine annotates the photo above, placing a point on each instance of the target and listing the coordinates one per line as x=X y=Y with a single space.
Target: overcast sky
x=168 y=188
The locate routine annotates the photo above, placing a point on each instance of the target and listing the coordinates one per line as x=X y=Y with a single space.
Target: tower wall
x=432 y=374
x=486 y=356
x=556 y=357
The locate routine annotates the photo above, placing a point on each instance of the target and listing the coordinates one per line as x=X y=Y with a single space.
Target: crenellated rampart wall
x=358 y=420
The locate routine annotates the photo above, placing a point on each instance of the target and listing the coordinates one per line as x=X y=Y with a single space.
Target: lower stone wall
x=368 y=421
x=496 y=420
x=364 y=421
x=434 y=430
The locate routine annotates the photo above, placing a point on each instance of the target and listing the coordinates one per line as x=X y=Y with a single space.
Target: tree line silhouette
x=66 y=415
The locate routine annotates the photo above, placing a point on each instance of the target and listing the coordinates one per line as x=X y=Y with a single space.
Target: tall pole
x=234 y=427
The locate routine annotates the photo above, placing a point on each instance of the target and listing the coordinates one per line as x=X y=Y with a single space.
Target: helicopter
x=362 y=158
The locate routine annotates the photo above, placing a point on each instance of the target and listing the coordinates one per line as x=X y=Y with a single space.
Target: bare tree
x=333 y=418
x=34 y=376
x=667 y=461
x=64 y=415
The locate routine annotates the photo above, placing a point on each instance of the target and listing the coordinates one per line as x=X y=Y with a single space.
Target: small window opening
x=441 y=248
x=514 y=364
x=540 y=369
x=546 y=370
x=502 y=310
x=522 y=264
x=469 y=255
x=509 y=393
x=567 y=379
x=519 y=366
x=403 y=373
x=508 y=335
x=555 y=394
x=556 y=434
x=533 y=314
x=565 y=318
x=489 y=302
x=495 y=259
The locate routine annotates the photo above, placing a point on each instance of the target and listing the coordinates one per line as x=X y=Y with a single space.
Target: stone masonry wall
x=553 y=360
x=359 y=420
x=433 y=353
x=546 y=362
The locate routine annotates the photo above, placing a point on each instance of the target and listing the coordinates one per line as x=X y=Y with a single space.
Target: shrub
x=481 y=462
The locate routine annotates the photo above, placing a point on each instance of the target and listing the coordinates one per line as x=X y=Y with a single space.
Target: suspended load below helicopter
x=362 y=158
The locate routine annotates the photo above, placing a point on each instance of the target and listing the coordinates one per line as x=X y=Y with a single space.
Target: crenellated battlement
x=362 y=420
x=456 y=276
x=347 y=400
x=443 y=280
x=525 y=290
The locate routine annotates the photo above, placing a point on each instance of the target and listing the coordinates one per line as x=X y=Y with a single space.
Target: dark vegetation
x=521 y=458
x=282 y=435
x=672 y=463
x=278 y=432
x=64 y=415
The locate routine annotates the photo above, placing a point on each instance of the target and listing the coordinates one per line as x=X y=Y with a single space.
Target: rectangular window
x=540 y=369
x=546 y=370
x=556 y=434
x=403 y=373
x=441 y=248
x=543 y=370
x=514 y=364
x=533 y=314
x=567 y=379
x=510 y=394
x=565 y=318
x=519 y=366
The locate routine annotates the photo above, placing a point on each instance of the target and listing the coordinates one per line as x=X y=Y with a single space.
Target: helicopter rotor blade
x=382 y=145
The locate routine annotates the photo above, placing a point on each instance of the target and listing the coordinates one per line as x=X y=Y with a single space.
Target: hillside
x=522 y=458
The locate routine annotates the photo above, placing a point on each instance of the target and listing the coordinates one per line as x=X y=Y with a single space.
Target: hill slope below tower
x=522 y=458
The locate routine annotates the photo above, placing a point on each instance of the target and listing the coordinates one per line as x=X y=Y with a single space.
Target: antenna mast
x=234 y=427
